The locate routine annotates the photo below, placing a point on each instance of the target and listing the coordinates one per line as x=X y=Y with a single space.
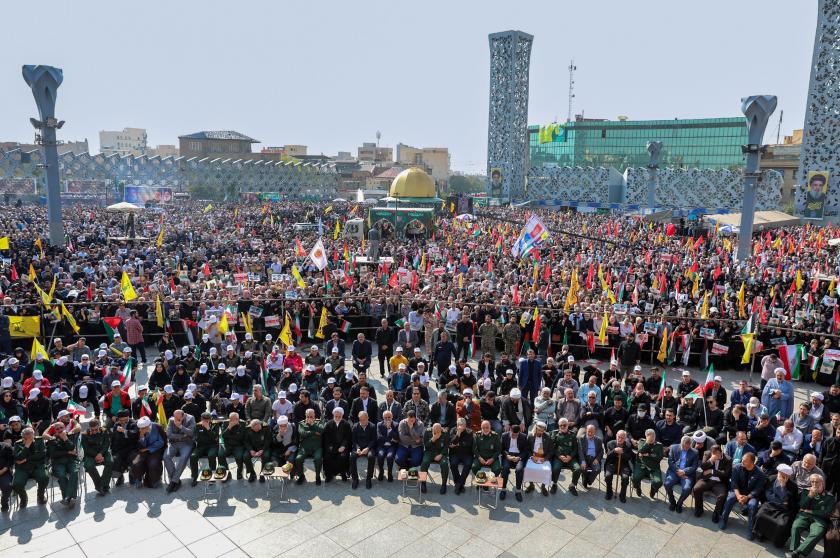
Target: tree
x=467 y=184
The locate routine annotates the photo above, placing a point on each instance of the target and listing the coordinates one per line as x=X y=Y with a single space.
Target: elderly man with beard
x=811 y=523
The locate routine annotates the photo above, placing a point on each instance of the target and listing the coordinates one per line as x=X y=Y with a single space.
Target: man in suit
x=362 y=351
x=443 y=412
x=514 y=456
x=391 y=404
x=590 y=455
x=715 y=472
x=364 y=403
x=530 y=376
x=737 y=448
x=747 y=487
x=337 y=342
x=682 y=468
x=363 y=447
x=516 y=410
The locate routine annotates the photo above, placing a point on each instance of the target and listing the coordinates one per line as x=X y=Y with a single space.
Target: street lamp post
x=757 y=109
x=655 y=150
x=44 y=82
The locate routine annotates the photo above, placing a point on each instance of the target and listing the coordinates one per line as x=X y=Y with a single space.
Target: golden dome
x=413 y=183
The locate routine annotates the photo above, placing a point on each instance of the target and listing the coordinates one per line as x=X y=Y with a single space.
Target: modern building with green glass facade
x=708 y=143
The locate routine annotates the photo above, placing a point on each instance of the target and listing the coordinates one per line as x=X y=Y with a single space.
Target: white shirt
x=514 y=448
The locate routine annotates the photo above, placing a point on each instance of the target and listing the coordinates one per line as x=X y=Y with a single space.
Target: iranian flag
x=701 y=390
x=791 y=356
x=76 y=409
x=661 y=387
x=111 y=324
x=125 y=375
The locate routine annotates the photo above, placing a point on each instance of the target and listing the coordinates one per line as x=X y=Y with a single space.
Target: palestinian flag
x=701 y=390
x=791 y=356
x=111 y=324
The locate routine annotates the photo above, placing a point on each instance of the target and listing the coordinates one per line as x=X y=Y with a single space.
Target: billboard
x=18 y=186
x=85 y=187
x=140 y=195
x=816 y=190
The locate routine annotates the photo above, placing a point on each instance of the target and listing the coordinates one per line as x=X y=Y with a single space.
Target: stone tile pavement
x=333 y=520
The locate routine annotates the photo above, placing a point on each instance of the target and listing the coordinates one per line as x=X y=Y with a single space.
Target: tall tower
x=507 y=130
x=822 y=125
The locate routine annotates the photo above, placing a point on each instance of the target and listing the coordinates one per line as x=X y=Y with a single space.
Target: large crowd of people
x=450 y=352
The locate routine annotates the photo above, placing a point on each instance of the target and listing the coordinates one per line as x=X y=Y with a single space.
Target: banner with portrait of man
x=816 y=191
x=496 y=179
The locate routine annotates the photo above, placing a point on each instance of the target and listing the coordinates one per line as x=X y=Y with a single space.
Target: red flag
x=394 y=281
x=490 y=264
x=670 y=229
x=698 y=242
x=516 y=295
x=716 y=273
x=414 y=280
x=90 y=291
x=537 y=325
x=836 y=320
x=464 y=260
x=112 y=321
x=206 y=269
x=14 y=273
x=171 y=284
x=546 y=273
x=590 y=341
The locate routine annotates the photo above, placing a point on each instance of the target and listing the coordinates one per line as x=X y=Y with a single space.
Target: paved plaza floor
x=333 y=520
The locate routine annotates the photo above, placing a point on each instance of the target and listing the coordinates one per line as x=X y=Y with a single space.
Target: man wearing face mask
x=639 y=423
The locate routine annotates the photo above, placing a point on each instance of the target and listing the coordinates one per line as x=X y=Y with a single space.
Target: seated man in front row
x=590 y=455
x=682 y=469
x=488 y=449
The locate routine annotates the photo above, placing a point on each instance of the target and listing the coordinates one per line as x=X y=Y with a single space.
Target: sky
x=329 y=74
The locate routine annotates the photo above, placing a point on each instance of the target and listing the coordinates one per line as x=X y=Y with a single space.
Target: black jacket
x=358 y=406
x=449 y=413
x=521 y=444
x=336 y=436
x=461 y=446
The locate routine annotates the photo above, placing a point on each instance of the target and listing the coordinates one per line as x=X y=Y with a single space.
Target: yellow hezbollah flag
x=337 y=231
x=298 y=278
x=38 y=349
x=4 y=243
x=246 y=321
x=322 y=324
x=223 y=323
x=45 y=298
x=70 y=319
x=127 y=288
x=40 y=246
x=602 y=334
x=286 y=333
x=742 y=303
x=704 y=310
x=747 y=339
x=159 y=312
x=31 y=272
x=663 y=347
x=208 y=208
x=159 y=242
x=52 y=288
x=25 y=326
x=799 y=280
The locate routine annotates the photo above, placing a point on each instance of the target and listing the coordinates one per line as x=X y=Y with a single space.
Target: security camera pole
x=757 y=109
x=44 y=82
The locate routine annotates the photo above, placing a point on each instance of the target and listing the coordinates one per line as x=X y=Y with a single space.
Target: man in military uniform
x=233 y=444
x=206 y=445
x=815 y=506
x=565 y=453
x=30 y=463
x=64 y=456
x=257 y=446
x=649 y=456
x=96 y=444
x=436 y=450
x=488 y=450
x=310 y=444
x=488 y=333
x=511 y=333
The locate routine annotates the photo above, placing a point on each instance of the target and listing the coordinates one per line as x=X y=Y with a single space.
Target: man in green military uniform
x=815 y=505
x=96 y=446
x=565 y=456
x=30 y=463
x=233 y=444
x=257 y=446
x=488 y=333
x=436 y=450
x=650 y=454
x=64 y=456
x=488 y=450
x=512 y=333
x=310 y=444
x=206 y=445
